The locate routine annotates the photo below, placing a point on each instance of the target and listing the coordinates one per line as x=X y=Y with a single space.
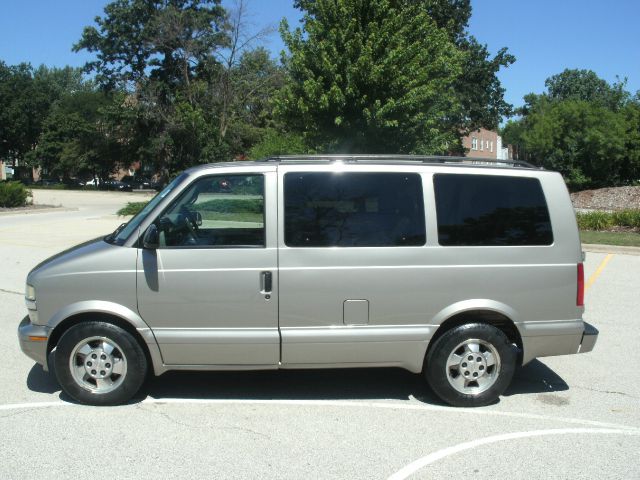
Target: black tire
x=124 y=364
x=470 y=393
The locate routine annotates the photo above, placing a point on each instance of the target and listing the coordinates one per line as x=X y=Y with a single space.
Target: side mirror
x=151 y=238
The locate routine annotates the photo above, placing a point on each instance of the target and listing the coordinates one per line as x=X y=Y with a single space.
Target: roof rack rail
x=431 y=159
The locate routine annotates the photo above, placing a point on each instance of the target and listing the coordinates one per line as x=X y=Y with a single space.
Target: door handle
x=266 y=280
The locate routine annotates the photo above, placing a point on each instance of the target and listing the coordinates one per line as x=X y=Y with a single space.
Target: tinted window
x=353 y=209
x=491 y=210
x=216 y=211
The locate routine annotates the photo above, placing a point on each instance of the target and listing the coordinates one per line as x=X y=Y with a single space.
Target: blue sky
x=545 y=36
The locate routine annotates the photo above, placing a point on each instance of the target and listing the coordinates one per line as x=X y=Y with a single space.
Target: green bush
x=598 y=221
x=595 y=220
x=14 y=194
x=131 y=208
x=627 y=218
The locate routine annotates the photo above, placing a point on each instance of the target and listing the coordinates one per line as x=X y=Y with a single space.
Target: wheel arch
x=108 y=313
x=488 y=312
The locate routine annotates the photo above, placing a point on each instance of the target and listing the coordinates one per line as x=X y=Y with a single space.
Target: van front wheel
x=98 y=363
x=470 y=365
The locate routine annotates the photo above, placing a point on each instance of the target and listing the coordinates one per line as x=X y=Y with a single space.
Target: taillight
x=580 y=295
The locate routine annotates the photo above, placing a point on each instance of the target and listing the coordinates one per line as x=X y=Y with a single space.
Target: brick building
x=484 y=143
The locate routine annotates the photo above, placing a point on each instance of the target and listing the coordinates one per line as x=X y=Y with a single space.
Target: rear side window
x=324 y=209
x=491 y=210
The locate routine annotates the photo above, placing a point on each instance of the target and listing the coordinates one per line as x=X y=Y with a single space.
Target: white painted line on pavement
x=413 y=467
x=26 y=406
x=339 y=403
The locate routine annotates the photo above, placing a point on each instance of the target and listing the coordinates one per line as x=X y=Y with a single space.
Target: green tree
x=388 y=76
x=585 y=85
x=240 y=94
x=581 y=126
x=18 y=128
x=141 y=39
x=152 y=50
x=76 y=140
x=630 y=169
x=26 y=96
x=274 y=142
x=582 y=140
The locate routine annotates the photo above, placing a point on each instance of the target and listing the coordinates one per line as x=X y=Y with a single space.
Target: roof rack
x=430 y=159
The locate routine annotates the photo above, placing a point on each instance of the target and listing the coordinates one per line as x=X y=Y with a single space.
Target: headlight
x=30 y=293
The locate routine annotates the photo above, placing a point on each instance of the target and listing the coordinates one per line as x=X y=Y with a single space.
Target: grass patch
x=131 y=208
x=232 y=209
x=58 y=186
x=610 y=228
x=625 y=239
x=233 y=217
x=226 y=205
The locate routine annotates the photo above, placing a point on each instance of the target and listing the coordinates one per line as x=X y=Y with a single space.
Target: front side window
x=488 y=210
x=348 y=209
x=216 y=211
x=121 y=234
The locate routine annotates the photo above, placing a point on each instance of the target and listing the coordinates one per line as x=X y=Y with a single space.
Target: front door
x=209 y=291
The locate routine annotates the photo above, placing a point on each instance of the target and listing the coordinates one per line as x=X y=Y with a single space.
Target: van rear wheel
x=98 y=363
x=470 y=365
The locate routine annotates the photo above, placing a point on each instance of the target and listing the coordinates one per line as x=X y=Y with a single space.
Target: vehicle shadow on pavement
x=40 y=381
x=338 y=384
x=535 y=377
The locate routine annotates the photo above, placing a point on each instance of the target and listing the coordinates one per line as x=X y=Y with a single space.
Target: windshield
x=121 y=233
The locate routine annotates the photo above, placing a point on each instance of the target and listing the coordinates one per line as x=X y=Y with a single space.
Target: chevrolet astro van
x=456 y=269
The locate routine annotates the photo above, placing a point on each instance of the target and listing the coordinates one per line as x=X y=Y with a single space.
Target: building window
x=481 y=145
x=474 y=143
x=491 y=146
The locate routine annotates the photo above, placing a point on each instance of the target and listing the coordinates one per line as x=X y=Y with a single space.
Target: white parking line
x=413 y=467
x=341 y=403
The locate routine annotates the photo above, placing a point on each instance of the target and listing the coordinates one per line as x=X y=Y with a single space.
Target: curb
x=33 y=211
x=621 y=250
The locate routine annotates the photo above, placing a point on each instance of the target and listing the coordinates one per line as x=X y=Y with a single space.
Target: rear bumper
x=546 y=339
x=34 y=349
x=589 y=338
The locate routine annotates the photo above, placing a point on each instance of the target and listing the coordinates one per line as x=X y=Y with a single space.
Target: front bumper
x=589 y=338
x=34 y=349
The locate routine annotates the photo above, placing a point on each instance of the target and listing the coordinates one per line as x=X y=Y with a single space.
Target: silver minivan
x=457 y=269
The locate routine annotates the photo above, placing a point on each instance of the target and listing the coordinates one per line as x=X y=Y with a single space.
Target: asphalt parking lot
x=563 y=417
